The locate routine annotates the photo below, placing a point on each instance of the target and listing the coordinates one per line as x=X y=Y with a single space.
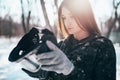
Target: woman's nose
x=68 y=21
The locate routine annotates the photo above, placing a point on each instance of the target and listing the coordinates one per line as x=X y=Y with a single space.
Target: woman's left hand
x=55 y=60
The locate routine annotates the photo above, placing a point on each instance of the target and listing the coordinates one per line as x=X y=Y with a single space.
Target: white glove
x=55 y=60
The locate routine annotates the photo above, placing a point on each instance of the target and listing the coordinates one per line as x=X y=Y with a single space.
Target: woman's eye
x=72 y=17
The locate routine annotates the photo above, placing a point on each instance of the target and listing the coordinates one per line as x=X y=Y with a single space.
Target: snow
x=117 y=49
x=12 y=71
x=8 y=70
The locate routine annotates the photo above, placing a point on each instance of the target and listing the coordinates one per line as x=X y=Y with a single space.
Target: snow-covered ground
x=117 y=49
x=12 y=71
x=8 y=70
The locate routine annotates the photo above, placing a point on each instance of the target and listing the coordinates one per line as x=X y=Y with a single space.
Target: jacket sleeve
x=105 y=63
x=97 y=62
x=83 y=59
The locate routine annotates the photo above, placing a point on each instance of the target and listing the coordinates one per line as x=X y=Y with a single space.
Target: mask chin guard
x=28 y=42
x=30 y=63
x=35 y=38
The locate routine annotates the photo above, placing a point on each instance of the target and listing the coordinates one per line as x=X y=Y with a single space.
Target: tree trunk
x=23 y=18
x=112 y=23
x=110 y=28
x=119 y=24
x=45 y=14
x=28 y=21
x=56 y=4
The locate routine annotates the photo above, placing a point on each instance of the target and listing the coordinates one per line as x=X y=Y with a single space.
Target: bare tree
x=28 y=20
x=45 y=14
x=6 y=26
x=28 y=17
x=25 y=21
x=23 y=17
x=56 y=4
x=57 y=34
x=112 y=21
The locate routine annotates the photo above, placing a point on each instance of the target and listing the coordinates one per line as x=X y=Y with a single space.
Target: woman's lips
x=69 y=28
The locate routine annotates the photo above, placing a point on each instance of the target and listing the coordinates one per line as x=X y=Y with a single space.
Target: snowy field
x=12 y=71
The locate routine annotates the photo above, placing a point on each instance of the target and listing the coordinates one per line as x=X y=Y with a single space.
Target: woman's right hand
x=55 y=60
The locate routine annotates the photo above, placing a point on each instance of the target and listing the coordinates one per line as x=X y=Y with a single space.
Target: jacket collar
x=73 y=43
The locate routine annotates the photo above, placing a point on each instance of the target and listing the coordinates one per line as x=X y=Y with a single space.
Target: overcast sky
x=102 y=9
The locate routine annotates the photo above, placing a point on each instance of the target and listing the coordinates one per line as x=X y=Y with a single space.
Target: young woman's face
x=70 y=23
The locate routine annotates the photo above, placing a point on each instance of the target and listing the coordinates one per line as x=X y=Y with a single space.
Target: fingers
x=55 y=68
x=46 y=55
x=48 y=58
x=35 y=50
x=48 y=62
x=32 y=74
x=51 y=46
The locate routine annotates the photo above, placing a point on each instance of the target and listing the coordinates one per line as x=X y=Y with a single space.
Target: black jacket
x=94 y=58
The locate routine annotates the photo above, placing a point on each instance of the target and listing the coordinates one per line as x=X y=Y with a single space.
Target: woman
x=84 y=54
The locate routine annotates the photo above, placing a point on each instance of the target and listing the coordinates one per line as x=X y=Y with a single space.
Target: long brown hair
x=82 y=11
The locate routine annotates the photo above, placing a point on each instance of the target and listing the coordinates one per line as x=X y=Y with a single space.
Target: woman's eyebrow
x=68 y=14
x=62 y=15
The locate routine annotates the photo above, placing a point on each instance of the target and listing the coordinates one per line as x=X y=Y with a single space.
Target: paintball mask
x=35 y=41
